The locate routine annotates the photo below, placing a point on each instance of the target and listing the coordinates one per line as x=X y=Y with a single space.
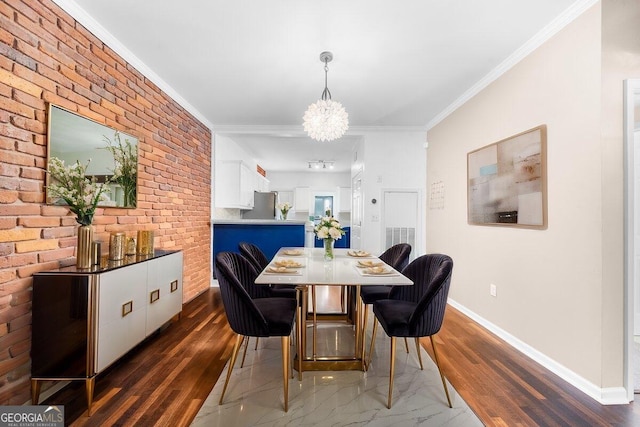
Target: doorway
x=401 y=225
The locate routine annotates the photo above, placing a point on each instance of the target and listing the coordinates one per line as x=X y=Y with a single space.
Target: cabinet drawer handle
x=154 y=296
x=127 y=308
x=174 y=286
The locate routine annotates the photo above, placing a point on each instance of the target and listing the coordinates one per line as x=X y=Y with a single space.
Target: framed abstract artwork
x=507 y=181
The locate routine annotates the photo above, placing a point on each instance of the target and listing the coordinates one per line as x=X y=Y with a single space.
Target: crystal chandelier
x=325 y=120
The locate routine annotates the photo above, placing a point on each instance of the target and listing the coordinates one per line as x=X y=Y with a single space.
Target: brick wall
x=45 y=56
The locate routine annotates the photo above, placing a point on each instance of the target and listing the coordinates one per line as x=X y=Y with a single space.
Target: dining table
x=306 y=268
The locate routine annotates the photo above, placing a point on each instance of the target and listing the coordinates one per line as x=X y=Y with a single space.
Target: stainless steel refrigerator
x=264 y=206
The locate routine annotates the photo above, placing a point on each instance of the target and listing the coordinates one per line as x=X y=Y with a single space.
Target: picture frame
x=507 y=181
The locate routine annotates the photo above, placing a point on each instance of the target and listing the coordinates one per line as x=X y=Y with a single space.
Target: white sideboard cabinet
x=83 y=320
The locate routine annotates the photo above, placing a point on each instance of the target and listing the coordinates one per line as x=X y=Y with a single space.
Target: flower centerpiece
x=82 y=195
x=284 y=209
x=329 y=230
x=125 y=172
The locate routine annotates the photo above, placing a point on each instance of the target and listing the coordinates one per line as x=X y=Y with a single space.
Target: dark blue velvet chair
x=416 y=311
x=253 y=317
x=259 y=261
x=397 y=256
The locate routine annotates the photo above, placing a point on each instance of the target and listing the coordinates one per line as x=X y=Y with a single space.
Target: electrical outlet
x=493 y=290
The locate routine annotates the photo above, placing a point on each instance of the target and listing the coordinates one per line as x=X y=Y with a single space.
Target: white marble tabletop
x=306 y=266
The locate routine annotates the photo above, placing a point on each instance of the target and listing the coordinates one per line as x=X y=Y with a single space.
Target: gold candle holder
x=145 y=242
x=117 y=244
x=96 y=252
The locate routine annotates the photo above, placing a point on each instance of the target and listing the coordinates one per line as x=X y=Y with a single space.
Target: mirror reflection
x=112 y=156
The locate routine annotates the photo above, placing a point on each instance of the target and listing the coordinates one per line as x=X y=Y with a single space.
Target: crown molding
x=81 y=16
x=298 y=130
x=561 y=21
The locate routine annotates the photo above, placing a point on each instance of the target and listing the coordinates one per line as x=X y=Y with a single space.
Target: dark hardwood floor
x=166 y=378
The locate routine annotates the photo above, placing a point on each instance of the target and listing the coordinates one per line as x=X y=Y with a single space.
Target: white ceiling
x=254 y=64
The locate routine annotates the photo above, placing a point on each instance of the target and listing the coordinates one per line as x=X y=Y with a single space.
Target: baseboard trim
x=604 y=396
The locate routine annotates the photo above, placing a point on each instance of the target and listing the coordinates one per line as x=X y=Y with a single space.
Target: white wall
x=391 y=160
x=559 y=290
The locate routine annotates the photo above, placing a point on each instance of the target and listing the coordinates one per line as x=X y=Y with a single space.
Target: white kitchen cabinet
x=301 y=199
x=345 y=199
x=261 y=183
x=234 y=184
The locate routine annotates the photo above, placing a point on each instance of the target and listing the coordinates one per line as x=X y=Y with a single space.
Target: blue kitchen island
x=268 y=234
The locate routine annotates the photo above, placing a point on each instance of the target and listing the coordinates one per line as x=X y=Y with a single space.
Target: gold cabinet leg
x=285 y=371
x=90 y=384
x=392 y=369
x=35 y=391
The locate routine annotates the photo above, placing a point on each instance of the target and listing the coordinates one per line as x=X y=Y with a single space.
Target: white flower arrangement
x=78 y=191
x=329 y=228
x=125 y=172
x=284 y=208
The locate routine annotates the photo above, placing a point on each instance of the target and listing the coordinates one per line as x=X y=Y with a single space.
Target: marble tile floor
x=254 y=396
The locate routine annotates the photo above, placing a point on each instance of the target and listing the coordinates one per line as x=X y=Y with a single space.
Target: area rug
x=254 y=396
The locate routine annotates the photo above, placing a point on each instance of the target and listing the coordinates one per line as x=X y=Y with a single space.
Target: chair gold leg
x=244 y=353
x=406 y=345
x=234 y=355
x=392 y=370
x=444 y=383
x=256 y=347
x=365 y=316
x=342 y=294
x=419 y=353
x=373 y=340
x=285 y=370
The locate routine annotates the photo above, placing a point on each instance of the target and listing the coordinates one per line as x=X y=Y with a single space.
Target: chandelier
x=325 y=120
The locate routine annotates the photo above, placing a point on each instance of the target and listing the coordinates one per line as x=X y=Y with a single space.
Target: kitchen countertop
x=258 y=222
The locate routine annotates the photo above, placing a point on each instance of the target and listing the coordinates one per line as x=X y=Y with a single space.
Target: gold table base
x=326 y=363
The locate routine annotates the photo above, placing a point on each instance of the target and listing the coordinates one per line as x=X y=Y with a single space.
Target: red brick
x=50 y=210
x=32 y=173
x=13 y=363
x=30 y=270
x=19 y=209
x=56 y=255
x=7 y=276
x=23 y=346
x=17 y=260
x=58 y=232
x=31 y=125
x=39 y=221
x=22 y=297
x=8 y=196
x=15 y=286
x=31 y=196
